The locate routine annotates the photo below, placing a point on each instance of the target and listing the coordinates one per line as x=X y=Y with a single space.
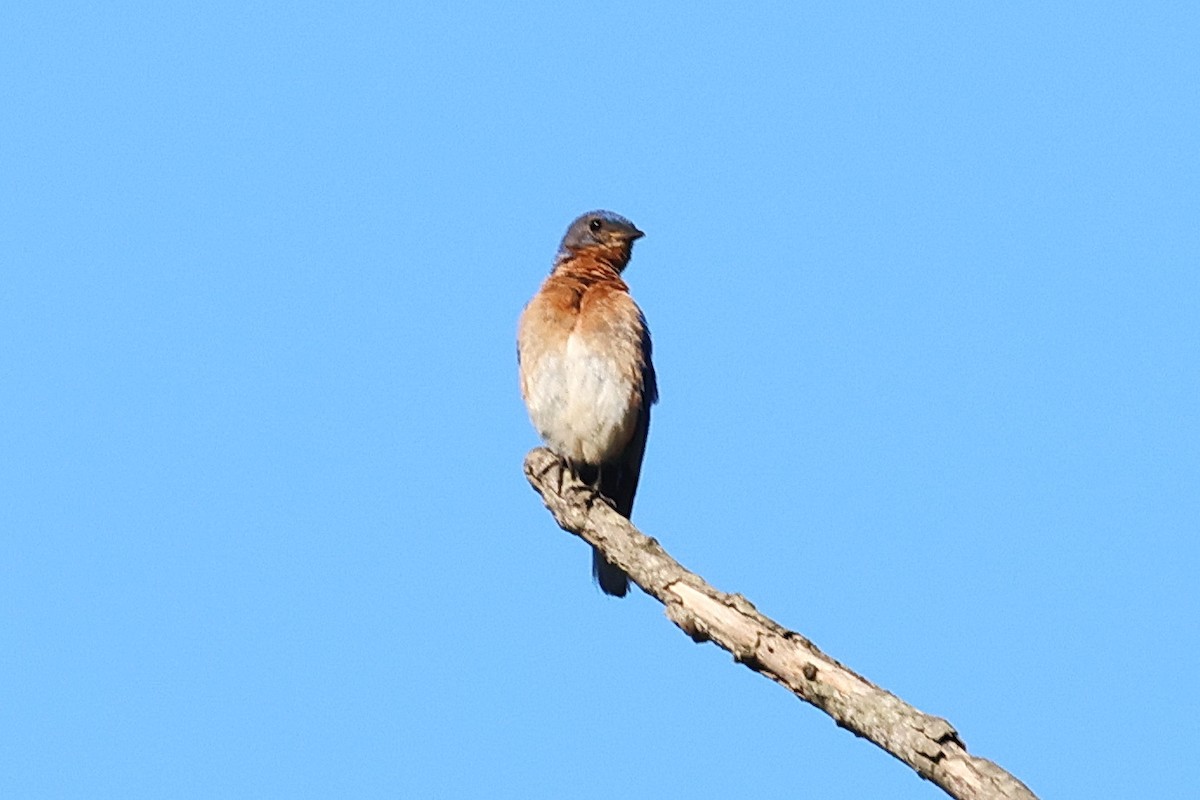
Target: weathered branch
x=928 y=744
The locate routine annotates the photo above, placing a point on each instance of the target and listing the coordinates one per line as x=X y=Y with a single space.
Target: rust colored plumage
x=585 y=363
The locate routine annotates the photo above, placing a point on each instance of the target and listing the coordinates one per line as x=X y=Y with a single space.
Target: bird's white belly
x=582 y=403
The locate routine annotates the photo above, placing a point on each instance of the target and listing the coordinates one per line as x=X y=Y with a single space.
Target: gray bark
x=928 y=744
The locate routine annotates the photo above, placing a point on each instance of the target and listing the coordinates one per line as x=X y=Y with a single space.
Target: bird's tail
x=611 y=579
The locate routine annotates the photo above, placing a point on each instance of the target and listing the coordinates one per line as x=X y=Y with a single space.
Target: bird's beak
x=635 y=234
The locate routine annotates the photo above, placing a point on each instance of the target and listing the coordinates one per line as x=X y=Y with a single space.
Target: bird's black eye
x=595 y=225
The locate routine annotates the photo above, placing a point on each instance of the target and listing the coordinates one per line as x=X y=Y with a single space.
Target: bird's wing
x=619 y=481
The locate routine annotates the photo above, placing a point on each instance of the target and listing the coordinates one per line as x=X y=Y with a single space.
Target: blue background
x=923 y=284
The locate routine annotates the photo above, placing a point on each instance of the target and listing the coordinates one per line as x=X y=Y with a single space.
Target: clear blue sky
x=925 y=294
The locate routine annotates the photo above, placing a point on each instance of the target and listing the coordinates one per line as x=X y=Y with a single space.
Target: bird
x=586 y=373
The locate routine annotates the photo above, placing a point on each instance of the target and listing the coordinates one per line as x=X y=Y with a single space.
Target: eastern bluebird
x=584 y=354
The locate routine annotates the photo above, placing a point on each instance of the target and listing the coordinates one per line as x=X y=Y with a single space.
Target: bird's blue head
x=603 y=231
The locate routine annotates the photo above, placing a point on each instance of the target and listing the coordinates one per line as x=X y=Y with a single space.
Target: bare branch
x=928 y=744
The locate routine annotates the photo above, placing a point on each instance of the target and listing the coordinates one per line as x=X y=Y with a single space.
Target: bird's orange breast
x=582 y=366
